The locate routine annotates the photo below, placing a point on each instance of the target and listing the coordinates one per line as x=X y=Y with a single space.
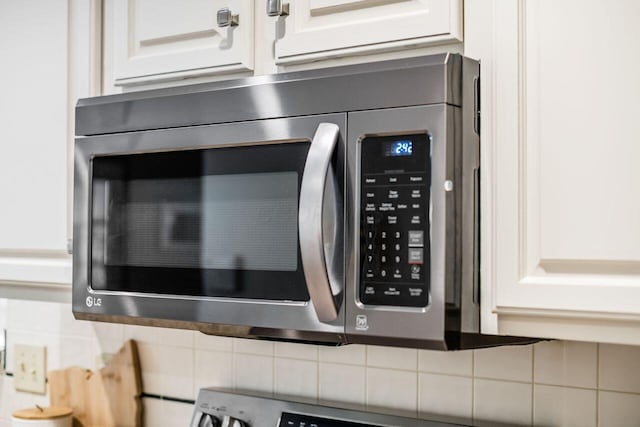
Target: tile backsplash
x=547 y=384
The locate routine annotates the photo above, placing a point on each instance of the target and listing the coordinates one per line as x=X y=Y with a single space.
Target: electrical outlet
x=29 y=368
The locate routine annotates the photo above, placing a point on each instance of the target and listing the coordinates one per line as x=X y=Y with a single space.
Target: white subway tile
x=392 y=391
x=501 y=403
x=163 y=413
x=445 y=398
x=446 y=362
x=4 y=304
x=563 y=406
x=343 y=385
x=104 y=346
x=160 y=336
x=248 y=346
x=167 y=370
x=213 y=342
x=567 y=363
x=213 y=369
x=6 y=395
x=33 y=316
x=353 y=354
x=77 y=352
x=619 y=368
x=618 y=409
x=296 y=351
x=390 y=357
x=297 y=379
x=108 y=331
x=514 y=363
x=253 y=373
x=69 y=326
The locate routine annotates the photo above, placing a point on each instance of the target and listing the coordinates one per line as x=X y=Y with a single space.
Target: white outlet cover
x=29 y=371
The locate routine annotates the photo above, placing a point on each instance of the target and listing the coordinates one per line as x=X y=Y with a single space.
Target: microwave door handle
x=312 y=197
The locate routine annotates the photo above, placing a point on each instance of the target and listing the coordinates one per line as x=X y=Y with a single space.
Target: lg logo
x=91 y=302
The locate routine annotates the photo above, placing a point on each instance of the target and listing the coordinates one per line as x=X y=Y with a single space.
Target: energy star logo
x=362 y=324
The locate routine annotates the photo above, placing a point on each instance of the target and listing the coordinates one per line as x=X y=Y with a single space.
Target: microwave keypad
x=394 y=222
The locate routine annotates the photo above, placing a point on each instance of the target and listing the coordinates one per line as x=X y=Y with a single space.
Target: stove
x=221 y=408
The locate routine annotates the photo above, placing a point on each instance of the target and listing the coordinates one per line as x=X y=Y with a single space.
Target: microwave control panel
x=394 y=220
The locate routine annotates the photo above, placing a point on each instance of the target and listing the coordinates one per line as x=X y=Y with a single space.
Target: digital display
x=399 y=148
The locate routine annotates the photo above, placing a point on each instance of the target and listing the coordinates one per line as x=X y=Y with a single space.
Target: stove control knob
x=228 y=421
x=207 y=420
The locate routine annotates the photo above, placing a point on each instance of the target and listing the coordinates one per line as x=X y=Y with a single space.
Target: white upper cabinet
x=162 y=42
x=158 y=40
x=560 y=166
x=34 y=119
x=49 y=55
x=322 y=29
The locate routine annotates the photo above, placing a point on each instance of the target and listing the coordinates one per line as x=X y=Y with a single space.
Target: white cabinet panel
x=561 y=181
x=321 y=29
x=33 y=142
x=157 y=40
x=583 y=114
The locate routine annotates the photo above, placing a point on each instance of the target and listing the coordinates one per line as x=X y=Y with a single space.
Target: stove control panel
x=302 y=420
x=394 y=220
x=224 y=408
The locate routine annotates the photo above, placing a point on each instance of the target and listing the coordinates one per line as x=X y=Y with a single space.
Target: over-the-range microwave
x=330 y=206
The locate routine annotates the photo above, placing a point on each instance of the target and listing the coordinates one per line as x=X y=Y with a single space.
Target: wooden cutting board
x=110 y=397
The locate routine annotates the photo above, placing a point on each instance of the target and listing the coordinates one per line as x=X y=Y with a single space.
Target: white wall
x=551 y=383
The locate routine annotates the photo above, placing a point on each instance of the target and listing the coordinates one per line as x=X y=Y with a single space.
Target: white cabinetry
x=33 y=140
x=39 y=56
x=321 y=29
x=561 y=166
x=156 y=40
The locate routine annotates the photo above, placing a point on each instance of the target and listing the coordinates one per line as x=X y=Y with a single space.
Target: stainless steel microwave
x=331 y=206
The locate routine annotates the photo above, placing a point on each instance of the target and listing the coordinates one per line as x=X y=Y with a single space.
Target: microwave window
x=215 y=222
x=240 y=221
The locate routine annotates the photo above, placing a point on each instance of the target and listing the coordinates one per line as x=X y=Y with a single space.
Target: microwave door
x=207 y=228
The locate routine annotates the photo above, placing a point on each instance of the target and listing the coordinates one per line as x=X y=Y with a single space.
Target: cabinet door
x=321 y=29
x=34 y=108
x=560 y=166
x=156 y=40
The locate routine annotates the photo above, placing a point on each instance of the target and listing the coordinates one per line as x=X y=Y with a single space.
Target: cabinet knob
x=208 y=421
x=277 y=8
x=226 y=18
x=228 y=421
